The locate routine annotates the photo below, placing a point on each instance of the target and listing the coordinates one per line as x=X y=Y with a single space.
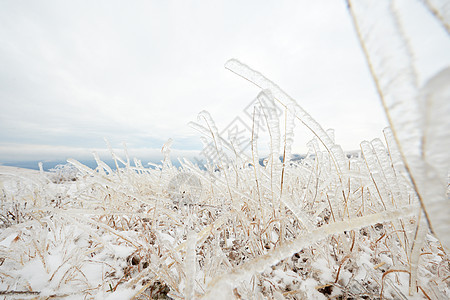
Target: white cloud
x=75 y=72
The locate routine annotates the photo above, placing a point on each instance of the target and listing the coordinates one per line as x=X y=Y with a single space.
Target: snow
x=122 y=251
x=111 y=256
x=325 y=272
x=308 y=286
x=120 y=295
x=6 y=242
x=29 y=272
x=96 y=237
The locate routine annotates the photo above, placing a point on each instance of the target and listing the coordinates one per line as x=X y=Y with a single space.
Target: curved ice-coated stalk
x=441 y=10
x=394 y=154
x=416 y=250
x=392 y=68
x=397 y=164
x=86 y=170
x=265 y=99
x=419 y=121
x=286 y=101
x=289 y=131
x=114 y=156
x=235 y=146
x=313 y=146
x=330 y=132
x=388 y=171
x=339 y=156
x=165 y=150
x=255 y=132
x=374 y=171
x=138 y=164
x=200 y=128
x=214 y=132
x=125 y=150
x=226 y=282
x=102 y=166
x=298 y=213
x=434 y=99
x=267 y=103
x=222 y=159
x=190 y=265
x=393 y=190
x=218 y=142
x=255 y=158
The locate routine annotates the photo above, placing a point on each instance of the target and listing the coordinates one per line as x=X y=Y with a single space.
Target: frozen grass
x=328 y=226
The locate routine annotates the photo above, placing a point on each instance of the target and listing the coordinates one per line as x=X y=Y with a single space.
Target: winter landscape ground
x=331 y=225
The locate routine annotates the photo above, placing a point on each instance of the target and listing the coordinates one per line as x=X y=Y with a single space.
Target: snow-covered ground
x=132 y=233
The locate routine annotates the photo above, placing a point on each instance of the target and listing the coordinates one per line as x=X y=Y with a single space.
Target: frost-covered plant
x=61 y=173
x=329 y=225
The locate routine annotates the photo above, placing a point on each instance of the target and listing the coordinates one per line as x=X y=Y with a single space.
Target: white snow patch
x=35 y=274
x=7 y=241
x=120 y=295
x=309 y=287
x=325 y=273
x=122 y=251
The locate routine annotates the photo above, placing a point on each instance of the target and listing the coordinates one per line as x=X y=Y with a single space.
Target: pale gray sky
x=74 y=72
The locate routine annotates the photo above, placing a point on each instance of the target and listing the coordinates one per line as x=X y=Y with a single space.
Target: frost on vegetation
x=326 y=226
x=62 y=173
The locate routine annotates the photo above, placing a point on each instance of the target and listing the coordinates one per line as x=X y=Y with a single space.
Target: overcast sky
x=74 y=72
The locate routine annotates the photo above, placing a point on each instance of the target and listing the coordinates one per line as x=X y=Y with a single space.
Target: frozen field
x=371 y=225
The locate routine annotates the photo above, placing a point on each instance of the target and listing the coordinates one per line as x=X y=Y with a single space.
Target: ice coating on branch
x=235 y=145
x=204 y=116
x=434 y=99
x=267 y=103
x=388 y=172
x=330 y=132
x=285 y=100
x=441 y=10
x=255 y=156
x=416 y=250
x=289 y=130
x=113 y=154
x=269 y=110
x=200 y=128
x=255 y=130
x=394 y=153
x=418 y=118
x=101 y=165
x=339 y=157
x=298 y=213
x=379 y=188
x=190 y=265
x=391 y=63
x=258 y=264
x=125 y=150
x=165 y=150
